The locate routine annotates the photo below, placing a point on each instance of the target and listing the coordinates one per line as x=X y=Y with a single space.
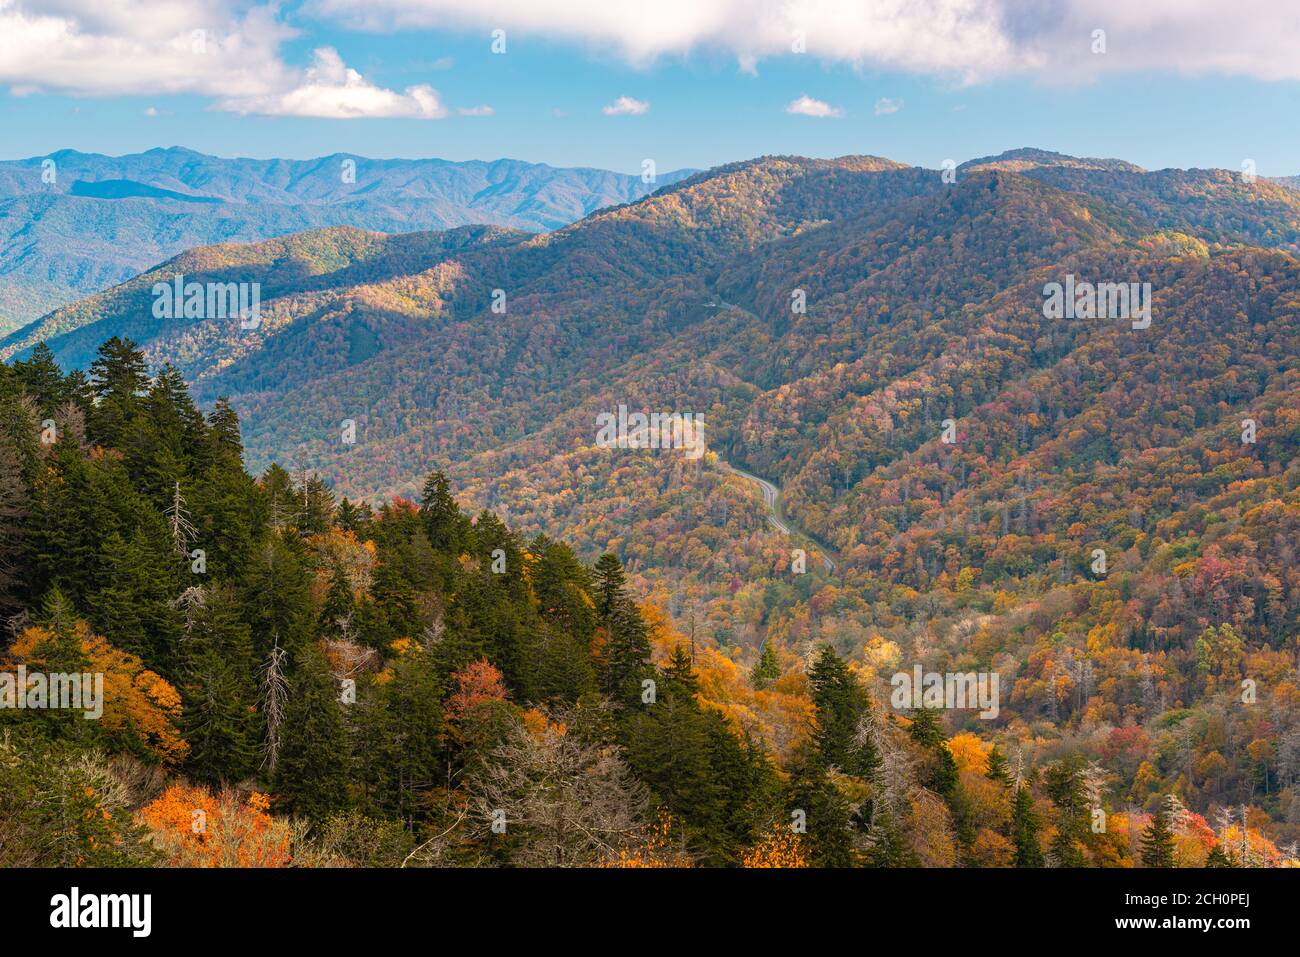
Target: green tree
x=1064 y=785
x=1024 y=829
x=313 y=770
x=767 y=669
x=998 y=770
x=1158 y=841
x=841 y=702
x=118 y=377
x=443 y=522
x=339 y=603
x=220 y=720
x=1217 y=858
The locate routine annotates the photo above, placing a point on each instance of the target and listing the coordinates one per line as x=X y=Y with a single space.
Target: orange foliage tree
x=194 y=828
x=780 y=847
x=140 y=707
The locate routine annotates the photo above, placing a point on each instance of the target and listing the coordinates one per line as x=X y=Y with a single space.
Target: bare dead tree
x=275 y=695
x=190 y=602
x=178 y=517
x=556 y=800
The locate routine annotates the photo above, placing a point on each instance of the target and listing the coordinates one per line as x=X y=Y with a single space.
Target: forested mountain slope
x=74 y=223
x=872 y=339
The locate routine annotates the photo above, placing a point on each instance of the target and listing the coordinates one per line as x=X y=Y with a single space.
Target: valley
x=872 y=343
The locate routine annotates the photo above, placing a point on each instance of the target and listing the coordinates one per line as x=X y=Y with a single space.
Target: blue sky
x=426 y=83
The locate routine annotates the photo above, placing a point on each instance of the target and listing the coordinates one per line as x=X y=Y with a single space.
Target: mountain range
x=923 y=303
x=74 y=223
x=1102 y=511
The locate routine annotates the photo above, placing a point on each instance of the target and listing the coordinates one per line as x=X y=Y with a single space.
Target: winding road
x=771 y=494
x=776 y=513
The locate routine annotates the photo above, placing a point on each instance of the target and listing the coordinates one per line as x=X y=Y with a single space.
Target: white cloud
x=970 y=40
x=134 y=47
x=330 y=89
x=476 y=111
x=885 y=105
x=218 y=48
x=807 y=106
x=626 y=106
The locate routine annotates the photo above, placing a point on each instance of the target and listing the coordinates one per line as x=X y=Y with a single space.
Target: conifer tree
x=1158 y=841
x=314 y=511
x=841 y=702
x=443 y=523
x=42 y=379
x=610 y=585
x=277 y=588
x=13 y=516
x=998 y=769
x=767 y=669
x=561 y=584
x=564 y=668
x=1217 y=858
x=940 y=774
x=119 y=380
x=1065 y=786
x=220 y=720
x=400 y=730
x=1024 y=829
x=349 y=517
x=339 y=603
x=817 y=810
x=313 y=770
x=680 y=671
x=626 y=655
x=143 y=576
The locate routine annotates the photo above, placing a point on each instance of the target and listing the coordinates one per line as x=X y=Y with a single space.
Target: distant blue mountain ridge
x=74 y=223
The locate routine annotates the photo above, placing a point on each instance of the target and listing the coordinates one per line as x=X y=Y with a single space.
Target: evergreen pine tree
x=13 y=516
x=1158 y=841
x=767 y=669
x=841 y=702
x=626 y=655
x=998 y=770
x=819 y=811
x=1064 y=785
x=42 y=379
x=339 y=603
x=1217 y=858
x=313 y=771
x=560 y=583
x=118 y=376
x=220 y=693
x=443 y=522
x=143 y=576
x=1024 y=829
x=610 y=585
x=680 y=672
x=400 y=731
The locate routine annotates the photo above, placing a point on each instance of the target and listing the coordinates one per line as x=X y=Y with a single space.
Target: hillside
x=103 y=219
x=924 y=321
